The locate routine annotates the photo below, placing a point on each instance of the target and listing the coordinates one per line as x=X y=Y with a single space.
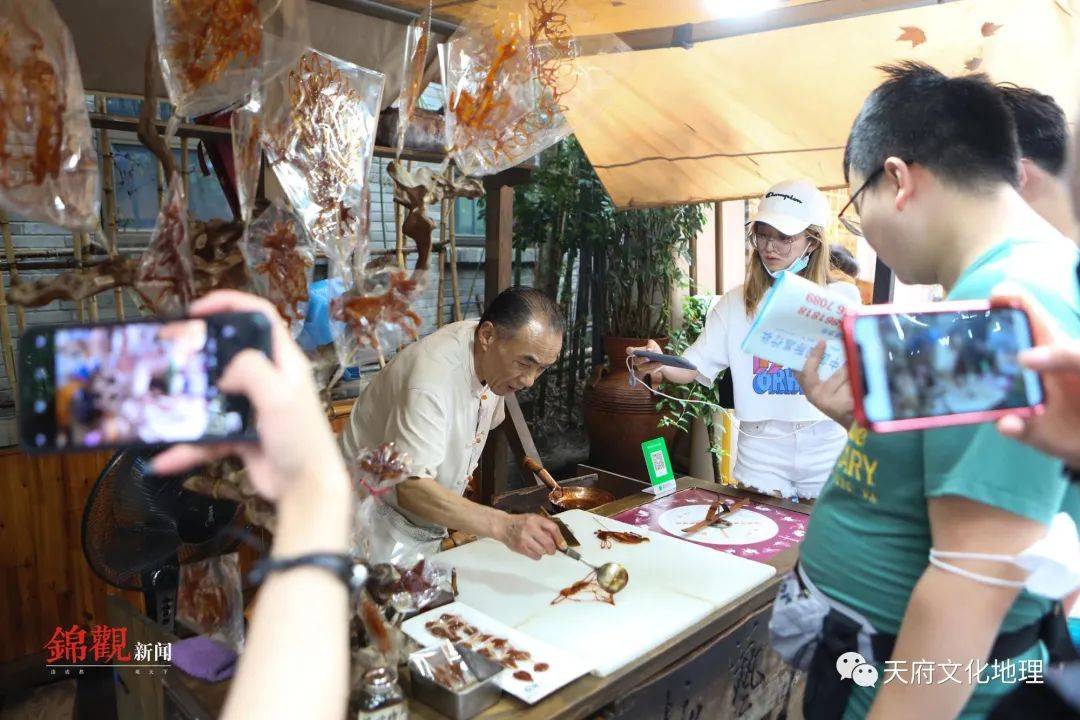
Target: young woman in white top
x=786 y=446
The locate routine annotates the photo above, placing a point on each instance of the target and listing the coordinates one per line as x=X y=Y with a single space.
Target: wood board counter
x=719 y=667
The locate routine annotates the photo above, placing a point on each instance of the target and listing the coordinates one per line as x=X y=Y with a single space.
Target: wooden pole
x=9 y=252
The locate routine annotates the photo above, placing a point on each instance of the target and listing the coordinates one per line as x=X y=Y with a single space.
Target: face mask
x=1053 y=563
x=796 y=267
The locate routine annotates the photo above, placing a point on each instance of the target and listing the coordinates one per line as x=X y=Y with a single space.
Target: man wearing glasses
x=933 y=168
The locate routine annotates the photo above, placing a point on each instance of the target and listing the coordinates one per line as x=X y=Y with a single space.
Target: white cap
x=792 y=206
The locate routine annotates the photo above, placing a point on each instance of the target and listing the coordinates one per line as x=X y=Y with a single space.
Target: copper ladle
x=612 y=577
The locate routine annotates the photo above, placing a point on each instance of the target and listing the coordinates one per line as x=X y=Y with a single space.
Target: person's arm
x=300 y=613
x=971 y=611
x=708 y=353
x=530 y=534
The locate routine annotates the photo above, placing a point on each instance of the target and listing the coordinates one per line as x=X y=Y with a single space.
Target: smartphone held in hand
x=134 y=384
x=948 y=363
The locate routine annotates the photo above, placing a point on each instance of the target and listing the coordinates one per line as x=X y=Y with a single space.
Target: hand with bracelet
x=301 y=612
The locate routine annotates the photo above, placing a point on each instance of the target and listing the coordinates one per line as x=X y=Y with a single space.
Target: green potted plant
x=643 y=250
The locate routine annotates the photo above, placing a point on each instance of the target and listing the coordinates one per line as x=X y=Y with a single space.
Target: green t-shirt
x=869 y=535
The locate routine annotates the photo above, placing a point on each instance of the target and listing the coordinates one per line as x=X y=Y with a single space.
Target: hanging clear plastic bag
x=374 y=316
x=280 y=257
x=401 y=576
x=165 y=279
x=488 y=78
x=246 y=124
x=533 y=95
x=417 y=42
x=210 y=600
x=48 y=166
x=319 y=135
x=214 y=52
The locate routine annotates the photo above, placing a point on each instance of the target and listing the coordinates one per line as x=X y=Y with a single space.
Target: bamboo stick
x=184 y=165
x=454 y=260
x=9 y=251
x=6 y=339
x=77 y=244
x=441 y=297
x=108 y=185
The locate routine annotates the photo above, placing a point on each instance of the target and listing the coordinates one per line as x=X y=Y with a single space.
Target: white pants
x=788 y=459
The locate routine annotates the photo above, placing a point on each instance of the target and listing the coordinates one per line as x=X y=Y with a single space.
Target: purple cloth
x=205 y=659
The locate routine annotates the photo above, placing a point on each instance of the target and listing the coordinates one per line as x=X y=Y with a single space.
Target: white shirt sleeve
x=846 y=290
x=709 y=353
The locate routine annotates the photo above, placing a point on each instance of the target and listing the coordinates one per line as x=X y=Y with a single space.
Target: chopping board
x=673 y=585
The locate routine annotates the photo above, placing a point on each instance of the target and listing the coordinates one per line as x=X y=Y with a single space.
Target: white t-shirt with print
x=763 y=390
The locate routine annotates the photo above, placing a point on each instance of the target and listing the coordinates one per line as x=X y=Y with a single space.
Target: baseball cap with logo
x=792 y=206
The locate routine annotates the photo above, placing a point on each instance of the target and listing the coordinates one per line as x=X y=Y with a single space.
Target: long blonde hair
x=758 y=281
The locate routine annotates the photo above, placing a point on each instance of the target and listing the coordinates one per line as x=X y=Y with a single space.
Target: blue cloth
x=316 y=330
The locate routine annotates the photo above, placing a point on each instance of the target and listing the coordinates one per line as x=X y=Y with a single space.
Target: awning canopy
x=686 y=117
x=728 y=118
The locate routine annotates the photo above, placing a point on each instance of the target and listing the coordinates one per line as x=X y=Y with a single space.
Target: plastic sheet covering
x=165 y=279
x=417 y=41
x=48 y=167
x=280 y=257
x=214 y=52
x=319 y=135
x=246 y=125
x=211 y=601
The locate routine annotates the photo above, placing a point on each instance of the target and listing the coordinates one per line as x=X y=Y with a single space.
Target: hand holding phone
x=1057 y=358
x=950 y=363
x=675 y=361
x=296 y=448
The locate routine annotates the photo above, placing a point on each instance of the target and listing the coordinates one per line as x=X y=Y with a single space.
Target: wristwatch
x=353 y=574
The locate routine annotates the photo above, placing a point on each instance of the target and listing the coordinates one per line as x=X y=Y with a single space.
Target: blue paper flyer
x=794 y=315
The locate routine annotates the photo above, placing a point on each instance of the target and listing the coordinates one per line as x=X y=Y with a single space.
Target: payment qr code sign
x=657 y=461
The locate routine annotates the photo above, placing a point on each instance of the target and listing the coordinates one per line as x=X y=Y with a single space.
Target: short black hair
x=841 y=259
x=960 y=128
x=1041 y=127
x=515 y=306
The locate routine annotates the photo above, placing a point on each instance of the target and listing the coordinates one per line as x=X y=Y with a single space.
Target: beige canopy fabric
x=728 y=118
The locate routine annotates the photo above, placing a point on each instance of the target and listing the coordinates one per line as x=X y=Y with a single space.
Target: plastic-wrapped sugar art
x=488 y=78
x=246 y=125
x=214 y=52
x=417 y=42
x=507 y=82
x=48 y=166
x=319 y=126
x=165 y=279
x=280 y=258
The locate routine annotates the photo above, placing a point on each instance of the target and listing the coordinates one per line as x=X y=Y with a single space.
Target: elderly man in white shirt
x=437 y=400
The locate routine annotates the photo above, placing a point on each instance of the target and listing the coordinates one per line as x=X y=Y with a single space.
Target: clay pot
x=618 y=418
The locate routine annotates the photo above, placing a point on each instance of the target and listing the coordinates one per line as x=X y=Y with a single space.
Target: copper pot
x=579 y=498
x=572 y=498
